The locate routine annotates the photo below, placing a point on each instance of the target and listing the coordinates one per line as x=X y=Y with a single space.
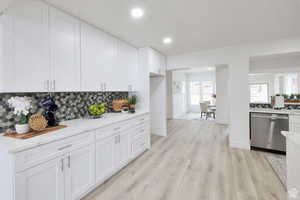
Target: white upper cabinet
x=7 y=73
x=125 y=67
x=98 y=54
x=45 y=50
x=65 y=51
x=26 y=44
x=108 y=64
x=156 y=62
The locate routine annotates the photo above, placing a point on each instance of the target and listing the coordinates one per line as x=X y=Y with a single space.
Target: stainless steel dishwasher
x=266 y=130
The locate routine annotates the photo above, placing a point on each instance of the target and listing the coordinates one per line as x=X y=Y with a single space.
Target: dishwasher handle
x=271 y=117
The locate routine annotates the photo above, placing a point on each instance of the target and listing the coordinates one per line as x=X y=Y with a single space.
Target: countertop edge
x=34 y=144
x=291 y=137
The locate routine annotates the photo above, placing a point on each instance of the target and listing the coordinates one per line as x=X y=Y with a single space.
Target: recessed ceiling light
x=137 y=13
x=167 y=40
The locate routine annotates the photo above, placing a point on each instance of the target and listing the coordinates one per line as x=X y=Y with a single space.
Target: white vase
x=22 y=128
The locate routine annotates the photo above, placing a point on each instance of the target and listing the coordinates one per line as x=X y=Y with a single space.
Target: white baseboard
x=239 y=145
x=159 y=131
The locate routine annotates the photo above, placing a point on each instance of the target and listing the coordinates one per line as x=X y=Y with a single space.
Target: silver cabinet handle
x=62 y=164
x=65 y=147
x=119 y=138
x=54 y=85
x=116 y=139
x=118 y=128
x=69 y=161
x=47 y=86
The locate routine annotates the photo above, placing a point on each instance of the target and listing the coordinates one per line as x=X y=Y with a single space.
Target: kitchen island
x=293 y=163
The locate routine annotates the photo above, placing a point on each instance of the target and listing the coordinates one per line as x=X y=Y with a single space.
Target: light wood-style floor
x=194 y=163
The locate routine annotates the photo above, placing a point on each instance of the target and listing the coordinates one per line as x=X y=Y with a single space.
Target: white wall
x=264 y=78
x=286 y=62
x=179 y=103
x=4 y=4
x=169 y=77
x=222 y=92
x=237 y=58
x=158 y=105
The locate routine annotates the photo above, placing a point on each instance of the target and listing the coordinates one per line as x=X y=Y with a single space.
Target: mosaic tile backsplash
x=71 y=105
x=287 y=106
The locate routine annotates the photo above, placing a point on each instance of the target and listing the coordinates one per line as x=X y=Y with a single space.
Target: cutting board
x=34 y=133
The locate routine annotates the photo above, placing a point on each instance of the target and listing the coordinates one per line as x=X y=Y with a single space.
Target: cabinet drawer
x=139 y=145
x=140 y=131
x=49 y=151
x=142 y=120
x=108 y=131
x=295 y=128
x=294 y=119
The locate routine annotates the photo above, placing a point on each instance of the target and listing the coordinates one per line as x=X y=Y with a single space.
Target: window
x=207 y=91
x=200 y=92
x=259 y=93
x=195 y=88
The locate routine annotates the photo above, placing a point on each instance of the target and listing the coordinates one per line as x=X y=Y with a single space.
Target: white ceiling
x=193 y=24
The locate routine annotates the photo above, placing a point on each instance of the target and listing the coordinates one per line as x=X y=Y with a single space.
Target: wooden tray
x=34 y=133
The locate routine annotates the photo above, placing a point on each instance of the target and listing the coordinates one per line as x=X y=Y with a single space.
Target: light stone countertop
x=74 y=127
x=293 y=137
x=275 y=111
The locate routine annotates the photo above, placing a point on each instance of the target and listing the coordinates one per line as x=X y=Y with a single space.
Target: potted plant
x=132 y=102
x=21 y=106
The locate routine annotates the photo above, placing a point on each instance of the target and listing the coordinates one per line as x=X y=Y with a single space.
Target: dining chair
x=205 y=110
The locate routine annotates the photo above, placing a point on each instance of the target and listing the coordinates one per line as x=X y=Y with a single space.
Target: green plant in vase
x=286 y=97
x=132 y=102
x=298 y=96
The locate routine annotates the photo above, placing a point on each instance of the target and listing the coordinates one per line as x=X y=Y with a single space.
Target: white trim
x=239 y=145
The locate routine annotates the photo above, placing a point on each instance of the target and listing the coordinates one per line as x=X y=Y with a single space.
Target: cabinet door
x=65 y=51
x=122 y=150
x=124 y=71
x=30 y=49
x=97 y=51
x=7 y=70
x=45 y=181
x=80 y=175
x=133 y=68
x=105 y=152
x=162 y=66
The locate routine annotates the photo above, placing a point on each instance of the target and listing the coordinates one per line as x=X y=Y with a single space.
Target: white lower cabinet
x=45 y=181
x=105 y=151
x=80 y=174
x=112 y=154
x=122 y=148
x=294 y=123
x=64 y=178
x=69 y=169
